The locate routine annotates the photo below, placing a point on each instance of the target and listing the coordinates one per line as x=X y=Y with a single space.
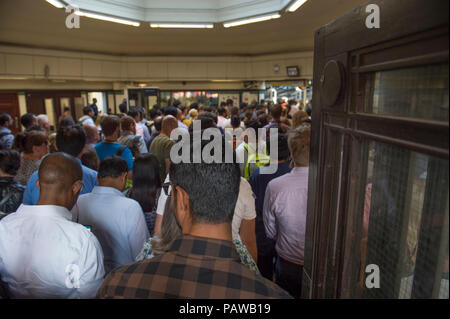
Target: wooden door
x=9 y=103
x=378 y=186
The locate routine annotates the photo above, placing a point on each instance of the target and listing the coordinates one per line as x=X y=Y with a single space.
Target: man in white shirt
x=87 y=118
x=43 y=254
x=117 y=221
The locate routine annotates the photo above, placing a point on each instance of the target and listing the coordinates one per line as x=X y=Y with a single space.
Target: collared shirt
x=193 y=267
x=31 y=195
x=7 y=140
x=142 y=131
x=285 y=208
x=105 y=150
x=86 y=120
x=46 y=255
x=117 y=221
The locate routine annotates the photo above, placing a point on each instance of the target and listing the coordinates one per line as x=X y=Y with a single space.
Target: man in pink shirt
x=284 y=213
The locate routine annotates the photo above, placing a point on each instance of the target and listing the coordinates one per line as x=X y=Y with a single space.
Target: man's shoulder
x=89 y=171
x=278 y=182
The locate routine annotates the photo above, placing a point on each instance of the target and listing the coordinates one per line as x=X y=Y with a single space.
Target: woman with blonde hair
x=299 y=118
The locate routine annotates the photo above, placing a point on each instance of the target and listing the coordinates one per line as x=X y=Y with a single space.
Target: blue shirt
x=117 y=221
x=31 y=195
x=105 y=150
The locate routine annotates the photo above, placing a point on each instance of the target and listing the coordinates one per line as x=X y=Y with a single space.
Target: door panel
x=379 y=156
x=9 y=103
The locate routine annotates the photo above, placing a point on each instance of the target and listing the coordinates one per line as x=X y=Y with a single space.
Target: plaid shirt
x=193 y=267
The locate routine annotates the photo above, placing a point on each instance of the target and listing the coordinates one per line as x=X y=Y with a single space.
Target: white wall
x=30 y=64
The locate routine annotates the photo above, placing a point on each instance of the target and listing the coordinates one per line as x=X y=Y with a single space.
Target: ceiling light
x=182 y=25
x=297 y=4
x=56 y=3
x=251 y=20
x=107 y=18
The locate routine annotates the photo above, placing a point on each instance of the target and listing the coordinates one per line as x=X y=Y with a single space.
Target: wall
x=18 y=63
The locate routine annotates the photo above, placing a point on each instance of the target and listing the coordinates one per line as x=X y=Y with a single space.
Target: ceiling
x=198 y=11
x=36 y=23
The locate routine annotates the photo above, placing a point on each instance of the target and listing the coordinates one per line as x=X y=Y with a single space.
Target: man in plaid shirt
x=202 y=263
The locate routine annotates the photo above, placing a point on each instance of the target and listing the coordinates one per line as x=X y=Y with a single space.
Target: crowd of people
x=97 y=208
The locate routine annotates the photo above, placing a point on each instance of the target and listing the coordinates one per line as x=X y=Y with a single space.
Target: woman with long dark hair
x=146 y=187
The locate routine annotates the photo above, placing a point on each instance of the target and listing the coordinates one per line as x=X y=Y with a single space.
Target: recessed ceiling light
x=297 y=4
x=106 y=18
x=182 y=25
x=56 y=3
x=251 y=20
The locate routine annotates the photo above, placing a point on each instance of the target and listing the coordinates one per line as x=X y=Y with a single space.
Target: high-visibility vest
x=260 y=159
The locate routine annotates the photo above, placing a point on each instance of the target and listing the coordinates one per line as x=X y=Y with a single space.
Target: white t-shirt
x=245 y=208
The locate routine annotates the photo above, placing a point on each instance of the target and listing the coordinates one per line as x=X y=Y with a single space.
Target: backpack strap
x=121 y=149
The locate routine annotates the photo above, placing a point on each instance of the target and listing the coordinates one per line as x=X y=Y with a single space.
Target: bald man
x=44 y=254
x=162 y=145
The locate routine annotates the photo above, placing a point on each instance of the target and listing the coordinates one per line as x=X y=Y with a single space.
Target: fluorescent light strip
x=251 y=20
x=297 y=4
x=56 y=3
x=182 y=25
x=106 y=18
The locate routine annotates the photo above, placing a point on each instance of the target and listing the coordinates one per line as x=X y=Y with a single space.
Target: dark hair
x=123 y=107
x=87 y=110
x=71 y=140
x=229 y=102
x=133 y=112
x=158 y=124
x=207 y=114
x=146 y=181
x=263 y=119
x=212 y=188
x=283 y=147
x=254 y=124
x=193 y=106
x=66 y=122
x=171 y=110
x=176 y=103
x=90 y=159
x=222 y=111
x=27 y=119
x=243 y=105
x=276 y=111
x=66 y=108
x=126 y=123
x=234 y=110
x=109 y=124
x=154 y=112
x=113 y=166
x=25 y=141
x=205 y=123
x=235 y=121
x=9 y=162
x=4 y=118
